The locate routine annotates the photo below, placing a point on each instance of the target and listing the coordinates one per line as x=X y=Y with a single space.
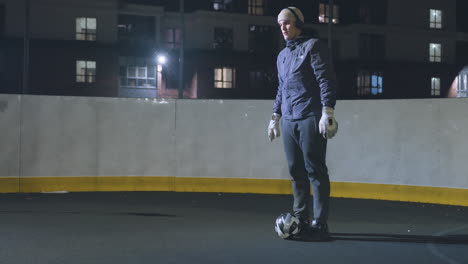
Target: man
x=305 y=102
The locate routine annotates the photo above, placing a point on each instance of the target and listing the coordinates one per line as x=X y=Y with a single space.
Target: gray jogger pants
x=305 y=151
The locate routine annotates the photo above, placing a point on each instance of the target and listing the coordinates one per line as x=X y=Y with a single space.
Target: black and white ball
x=287 y=225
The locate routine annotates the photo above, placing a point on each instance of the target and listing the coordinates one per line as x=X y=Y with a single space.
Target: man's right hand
x=274 y=127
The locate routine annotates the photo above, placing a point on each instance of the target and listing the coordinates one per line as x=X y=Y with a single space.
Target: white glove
x=274 y=127
x=328 y=125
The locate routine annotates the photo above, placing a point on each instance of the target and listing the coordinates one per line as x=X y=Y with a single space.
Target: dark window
x=144 y=2
x=262 y=39
x=462 y=52
x=2 y=20
x=261 y=80
x=335 y=48
x=256 y=7
x=132 y=28
x=371 y=46
x=172 y=38
x=309 y=32
x=170 y=74
x=462 y=22
x=256 y=79
x=222 y=5
x=223 y=38
x=365 y=15
x=2 y=66
x=369 y=83
x=372 y=12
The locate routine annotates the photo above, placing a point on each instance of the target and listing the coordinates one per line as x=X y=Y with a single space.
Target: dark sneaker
x=319 y=231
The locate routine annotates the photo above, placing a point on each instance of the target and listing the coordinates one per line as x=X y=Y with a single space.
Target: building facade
x=381 y=48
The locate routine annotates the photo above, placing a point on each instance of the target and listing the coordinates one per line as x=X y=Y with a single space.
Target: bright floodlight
x=162 y=59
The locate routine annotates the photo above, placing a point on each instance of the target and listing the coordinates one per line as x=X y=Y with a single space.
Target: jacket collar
x=292 y=44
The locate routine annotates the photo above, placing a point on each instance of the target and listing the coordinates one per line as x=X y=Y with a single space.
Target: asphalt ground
x=168 y=227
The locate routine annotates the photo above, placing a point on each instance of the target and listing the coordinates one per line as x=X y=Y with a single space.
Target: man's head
x=290 y=21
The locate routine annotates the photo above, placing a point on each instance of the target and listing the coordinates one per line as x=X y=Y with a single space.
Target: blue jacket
x=307 y=81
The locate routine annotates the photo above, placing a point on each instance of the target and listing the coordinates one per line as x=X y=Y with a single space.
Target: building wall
x=54 y=65
x=415 y=14
x=46 y=13
x=407 y=37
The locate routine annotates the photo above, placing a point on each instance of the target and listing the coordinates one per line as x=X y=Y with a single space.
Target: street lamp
x=161 y=60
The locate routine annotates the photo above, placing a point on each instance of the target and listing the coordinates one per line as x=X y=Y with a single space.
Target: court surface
x=168 y=227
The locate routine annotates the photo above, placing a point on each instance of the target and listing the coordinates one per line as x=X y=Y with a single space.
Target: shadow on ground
x=461 y=239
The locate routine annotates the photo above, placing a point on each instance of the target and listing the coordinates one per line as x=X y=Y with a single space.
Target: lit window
x=222 y=5
x=369 y=83
x=137 y=73
x=435 y=86
x=224 y=77
x=86 y=28
x=324 y=13
x=256 y=7
x=85 y=71
x=172 y=38
x=435 y=52
x=435 y=18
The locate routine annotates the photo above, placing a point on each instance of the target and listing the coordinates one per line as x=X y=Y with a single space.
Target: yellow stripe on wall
x=406 y=193
x=9 y=184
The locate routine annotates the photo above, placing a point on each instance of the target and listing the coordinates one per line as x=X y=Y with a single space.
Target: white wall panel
x=9 y=135
x=404 y=142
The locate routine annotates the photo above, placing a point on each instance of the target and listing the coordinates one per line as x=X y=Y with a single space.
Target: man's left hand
x=328 y=127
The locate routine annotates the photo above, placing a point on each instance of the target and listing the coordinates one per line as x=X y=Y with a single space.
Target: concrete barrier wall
x=9 y=135
x=403 y=142
x=397 y=142
x=70 y=136
x=227 y=139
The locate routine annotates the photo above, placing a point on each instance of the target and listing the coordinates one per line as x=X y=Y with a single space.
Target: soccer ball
x=287 y=225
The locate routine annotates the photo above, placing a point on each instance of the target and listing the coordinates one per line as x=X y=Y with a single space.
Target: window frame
x=324 y=13
x=88 y=76
x=433 y=21
x=222 y=5
x=462 y=87
x=256 y=7
x=433 y=55
x=85 y=33
x=365 y=76
x=222 y=81
x=435 y=86
x=172 y=43
x=135 y=65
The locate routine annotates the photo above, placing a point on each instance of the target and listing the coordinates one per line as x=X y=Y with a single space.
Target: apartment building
x=381 y=48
